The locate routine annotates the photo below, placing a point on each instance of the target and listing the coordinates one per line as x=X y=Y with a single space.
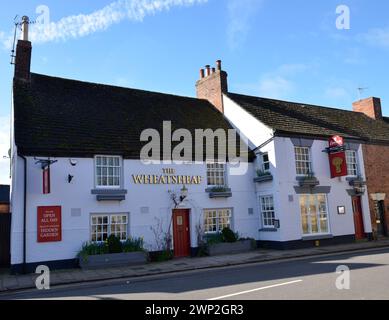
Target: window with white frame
x=303 y=160
x=352 y=163
x=104 y=225
x=108 y=171
x=216 y=174
x=267 y=210
x=314 y=215
x=265 y=162
x=215 y=220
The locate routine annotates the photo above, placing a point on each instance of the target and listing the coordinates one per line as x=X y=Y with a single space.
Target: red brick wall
x=376 y=160
x=212 y=87
x=370 y=106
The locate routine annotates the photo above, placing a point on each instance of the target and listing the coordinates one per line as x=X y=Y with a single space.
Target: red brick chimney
x=23 y=54
x=370 y=107
x=212 y=84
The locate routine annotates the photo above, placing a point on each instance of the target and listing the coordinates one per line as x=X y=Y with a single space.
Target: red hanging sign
x=337 y=157
x=46 y=180
x=49 y=224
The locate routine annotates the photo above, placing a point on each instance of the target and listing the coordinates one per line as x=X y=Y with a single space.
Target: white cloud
x=279 y=84
x=378 y=37
x=240 y=15
x=337 y=93
x=77 y=26
x=4 y=147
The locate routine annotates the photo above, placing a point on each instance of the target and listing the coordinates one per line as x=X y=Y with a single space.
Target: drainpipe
x=24 y=270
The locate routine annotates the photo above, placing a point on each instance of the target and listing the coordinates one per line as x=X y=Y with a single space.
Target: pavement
x=12 y=283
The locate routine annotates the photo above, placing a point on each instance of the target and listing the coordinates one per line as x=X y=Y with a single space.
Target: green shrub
x=214 y=238
x=229 y=235
x=93 y=249
x=114 y=244
x=133 y=245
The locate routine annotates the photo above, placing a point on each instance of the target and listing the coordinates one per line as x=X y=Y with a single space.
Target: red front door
x=181 y=233
x=358 y=219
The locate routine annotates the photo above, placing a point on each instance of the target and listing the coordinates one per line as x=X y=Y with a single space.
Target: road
x=313 y=278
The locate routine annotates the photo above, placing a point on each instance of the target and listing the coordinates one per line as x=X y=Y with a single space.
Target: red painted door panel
x=181 y=233
x=358 y=219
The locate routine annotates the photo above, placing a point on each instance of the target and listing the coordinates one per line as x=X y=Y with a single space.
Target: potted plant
x=112 y=253
x=228 y=242
x=309 y=180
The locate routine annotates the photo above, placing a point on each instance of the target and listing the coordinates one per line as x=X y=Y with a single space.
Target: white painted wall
x=77 y=194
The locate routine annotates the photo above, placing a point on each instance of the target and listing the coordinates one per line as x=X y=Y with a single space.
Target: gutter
x=24 y=267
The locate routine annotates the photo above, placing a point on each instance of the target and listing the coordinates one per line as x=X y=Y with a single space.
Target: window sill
x=110 y=194
x=317 y=237
x=268 y=230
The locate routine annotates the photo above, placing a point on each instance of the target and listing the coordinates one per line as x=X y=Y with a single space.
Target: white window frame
x=110 y=223
x=265 y=162
x=318 y=216
x=120 y=167
x=298 y=159
x=219 y=227
x=213 y=171
x=265 y=211
x=350 y=171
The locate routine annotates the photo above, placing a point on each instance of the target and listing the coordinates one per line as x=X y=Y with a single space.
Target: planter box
x=113 y=260
x=230 y=248
x=308 y=182
x=264 y=178
x=219 y=194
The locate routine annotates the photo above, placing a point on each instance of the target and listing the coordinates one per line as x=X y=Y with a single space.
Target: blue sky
x=282 y=49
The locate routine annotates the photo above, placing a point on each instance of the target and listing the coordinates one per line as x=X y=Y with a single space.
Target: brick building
x=377 y=168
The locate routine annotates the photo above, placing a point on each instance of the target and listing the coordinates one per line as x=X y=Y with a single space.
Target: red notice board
x=49 y=224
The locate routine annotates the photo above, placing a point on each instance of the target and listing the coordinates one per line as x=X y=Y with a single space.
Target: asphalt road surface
x=313 y=278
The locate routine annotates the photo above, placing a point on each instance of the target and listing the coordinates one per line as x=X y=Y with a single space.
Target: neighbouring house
x=298 y=198
x=376 y=158
x=5 y=226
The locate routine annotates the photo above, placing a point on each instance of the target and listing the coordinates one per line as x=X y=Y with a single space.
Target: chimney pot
x=219 y=65
x=213 y=70
x=202 y=73
x=208 y=68
x=25 y=25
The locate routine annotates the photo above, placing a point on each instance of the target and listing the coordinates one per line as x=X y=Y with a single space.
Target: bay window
x=314 y=215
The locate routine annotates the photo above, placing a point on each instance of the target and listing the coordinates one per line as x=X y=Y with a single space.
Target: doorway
x=5 y=234
x=358 y=219
x=181 y=233
x=381 y=221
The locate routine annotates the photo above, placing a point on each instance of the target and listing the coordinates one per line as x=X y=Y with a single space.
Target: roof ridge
x=115 y=86
x=292 y=102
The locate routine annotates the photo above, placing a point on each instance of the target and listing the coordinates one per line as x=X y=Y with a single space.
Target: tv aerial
x=17 y=25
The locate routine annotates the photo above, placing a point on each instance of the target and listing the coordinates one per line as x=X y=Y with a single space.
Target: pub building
x=77 y=175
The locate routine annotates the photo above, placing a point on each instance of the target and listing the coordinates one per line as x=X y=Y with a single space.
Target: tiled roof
x=290 y=118
x=59 y=117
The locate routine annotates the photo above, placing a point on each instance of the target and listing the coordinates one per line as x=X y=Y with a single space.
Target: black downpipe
x=25 y=217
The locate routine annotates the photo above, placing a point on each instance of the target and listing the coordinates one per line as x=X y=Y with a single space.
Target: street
x=313 y=278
